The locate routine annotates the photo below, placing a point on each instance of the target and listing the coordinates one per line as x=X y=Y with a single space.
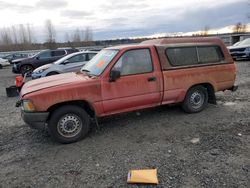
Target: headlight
x=28 y=106
x=247 y=49
x=40 y=71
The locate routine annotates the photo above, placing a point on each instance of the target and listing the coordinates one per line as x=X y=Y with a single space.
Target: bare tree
x=239 y=28
x=88 y=34
x=14 y=34
x=5 y=36
x=82 y=34
x=66 y=37
x=16 y=37
x=29 y=34
x=50 y=30
x=23 y=34
x=205 y=30
x=77 y=36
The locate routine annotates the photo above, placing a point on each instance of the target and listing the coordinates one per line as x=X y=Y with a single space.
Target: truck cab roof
x=173 y=41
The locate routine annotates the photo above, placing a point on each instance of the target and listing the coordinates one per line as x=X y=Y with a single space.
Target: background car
x=4 y=62
x=14 y=56
x=241 y=50
x=27 y=65
x=70 y=63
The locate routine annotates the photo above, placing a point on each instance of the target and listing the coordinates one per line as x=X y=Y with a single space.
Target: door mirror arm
x=114 y=75
x=65 y=62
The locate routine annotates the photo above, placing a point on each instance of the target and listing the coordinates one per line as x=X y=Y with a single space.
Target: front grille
x=237 y=50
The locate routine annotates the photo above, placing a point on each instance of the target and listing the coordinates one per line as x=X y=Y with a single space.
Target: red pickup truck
x=125 y=78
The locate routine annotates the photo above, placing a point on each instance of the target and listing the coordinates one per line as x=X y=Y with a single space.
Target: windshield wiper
x=85 y=70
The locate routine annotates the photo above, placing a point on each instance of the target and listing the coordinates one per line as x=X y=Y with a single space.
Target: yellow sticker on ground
x=143 y=176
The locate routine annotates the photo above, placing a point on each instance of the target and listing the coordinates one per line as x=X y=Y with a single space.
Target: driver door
x=137 y=87
x=43 y=59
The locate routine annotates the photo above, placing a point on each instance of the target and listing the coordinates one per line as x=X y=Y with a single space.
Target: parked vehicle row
x=125 y=78
x=14 y=56
x=70 y=63
x=27 y=65
x=7 y=59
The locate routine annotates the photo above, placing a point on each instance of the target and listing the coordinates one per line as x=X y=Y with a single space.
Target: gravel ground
x=208 y=149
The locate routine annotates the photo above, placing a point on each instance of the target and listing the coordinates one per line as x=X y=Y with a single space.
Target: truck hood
x=53 y=81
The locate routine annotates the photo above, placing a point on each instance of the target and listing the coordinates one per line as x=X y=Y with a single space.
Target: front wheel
x=26 y=69
x=196 y=99
x=69 y=124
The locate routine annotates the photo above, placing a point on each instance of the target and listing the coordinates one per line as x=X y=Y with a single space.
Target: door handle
x=152 y=79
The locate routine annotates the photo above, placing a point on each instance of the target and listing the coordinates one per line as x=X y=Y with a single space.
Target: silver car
x=4 y=62
x=241 y=50
x=70 y=63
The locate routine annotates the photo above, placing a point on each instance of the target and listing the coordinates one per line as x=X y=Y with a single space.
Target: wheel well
x=28 y=65
x=52 y=72
x=210 y=91
x=83 y=104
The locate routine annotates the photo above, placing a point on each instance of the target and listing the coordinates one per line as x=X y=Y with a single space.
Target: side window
x=210 y=54
x=77 y=58
x=58 y=53
x=181 y=56
x=91 y=56
x=45 y=55
x=134 y=62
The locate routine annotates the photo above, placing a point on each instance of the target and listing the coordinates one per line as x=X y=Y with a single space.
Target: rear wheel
x=196 y=99
x=26 y=69
x=69 y=124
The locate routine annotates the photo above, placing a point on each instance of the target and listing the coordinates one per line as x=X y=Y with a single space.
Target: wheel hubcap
x=197 y=99
x=27 y=69
x=69 y=125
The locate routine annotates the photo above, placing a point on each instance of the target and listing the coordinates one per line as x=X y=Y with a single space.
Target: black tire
x=63 y=119
x=1 y=66
x=196 y=99
x=52 y=73
x=26 y=69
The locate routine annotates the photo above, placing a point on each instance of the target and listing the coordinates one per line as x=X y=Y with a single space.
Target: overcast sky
x=123 y=18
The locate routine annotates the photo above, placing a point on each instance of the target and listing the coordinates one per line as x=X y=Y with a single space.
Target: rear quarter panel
x=178 y=81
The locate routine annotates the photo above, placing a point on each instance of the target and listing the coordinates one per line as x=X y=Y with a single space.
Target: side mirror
x=65 y=62
x=114 y=75
x=37 y=57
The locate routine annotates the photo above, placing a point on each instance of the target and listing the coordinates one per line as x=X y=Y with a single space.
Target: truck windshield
x=99 y=62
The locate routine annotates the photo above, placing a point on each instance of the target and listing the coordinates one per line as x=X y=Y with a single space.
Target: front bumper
x=240 y=55
x=36 y=120
x=35 y=75
x=233 y=88
x=15 y=68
